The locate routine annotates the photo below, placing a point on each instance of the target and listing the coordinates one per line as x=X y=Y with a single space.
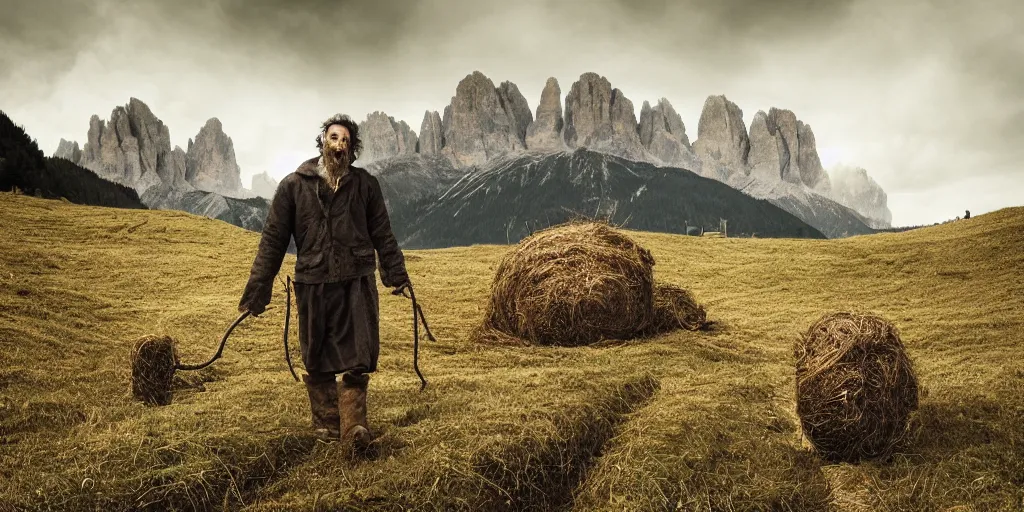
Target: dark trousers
x=339 y=328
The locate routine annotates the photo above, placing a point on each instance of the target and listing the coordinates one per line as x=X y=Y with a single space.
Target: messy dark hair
x=356 y=144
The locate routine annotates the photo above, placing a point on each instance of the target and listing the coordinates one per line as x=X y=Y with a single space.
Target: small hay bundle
x=675 y=308
x=855 y=386
x=153 y=361
x=573 y=284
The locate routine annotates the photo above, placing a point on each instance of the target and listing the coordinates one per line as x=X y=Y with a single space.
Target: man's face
x=336 y=142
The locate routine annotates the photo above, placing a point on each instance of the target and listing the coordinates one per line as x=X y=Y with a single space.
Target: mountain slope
x=505 y=199
x=412 y=179
x=828 y=216
x=246 y=213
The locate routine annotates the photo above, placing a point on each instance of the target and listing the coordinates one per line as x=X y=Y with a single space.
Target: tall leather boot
x=352 y=404
x=323 y=402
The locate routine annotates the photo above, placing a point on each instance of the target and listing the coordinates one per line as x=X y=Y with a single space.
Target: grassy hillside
x=693 y=421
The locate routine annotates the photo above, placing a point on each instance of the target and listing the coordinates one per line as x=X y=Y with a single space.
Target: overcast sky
x=927 y=95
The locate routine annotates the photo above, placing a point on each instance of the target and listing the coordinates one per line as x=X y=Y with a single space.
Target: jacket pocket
x=363 y=254
x=307 y=261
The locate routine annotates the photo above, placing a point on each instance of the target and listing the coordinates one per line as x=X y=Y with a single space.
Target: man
x=337 y=216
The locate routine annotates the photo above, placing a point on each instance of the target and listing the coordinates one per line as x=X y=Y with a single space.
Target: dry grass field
x=682 y=421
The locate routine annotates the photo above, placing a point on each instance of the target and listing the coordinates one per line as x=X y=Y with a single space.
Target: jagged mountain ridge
x=481 y=124
x=133 y=149
x=485 y=122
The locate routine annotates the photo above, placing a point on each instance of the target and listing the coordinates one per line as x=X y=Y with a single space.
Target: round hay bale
x=573 y=284
x=855 y=386
x=153 y=361
x=675 y=308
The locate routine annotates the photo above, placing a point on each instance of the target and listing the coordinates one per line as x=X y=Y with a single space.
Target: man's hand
x=400 y=289
x=253 y=311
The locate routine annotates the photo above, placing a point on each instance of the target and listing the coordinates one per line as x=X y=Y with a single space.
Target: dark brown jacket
x=336 y=234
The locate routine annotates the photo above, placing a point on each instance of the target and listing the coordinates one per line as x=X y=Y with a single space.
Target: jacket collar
x=308 y=168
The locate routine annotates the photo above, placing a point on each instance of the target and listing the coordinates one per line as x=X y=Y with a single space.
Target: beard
x=336 y=160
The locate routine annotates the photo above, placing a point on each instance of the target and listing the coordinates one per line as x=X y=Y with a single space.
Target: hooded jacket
x=336 y=234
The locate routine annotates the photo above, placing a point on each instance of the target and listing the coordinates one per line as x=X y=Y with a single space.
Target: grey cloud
x=302 y=27
x=744 y=19
x=307 y=35
x=723 y=27
x=46 y=33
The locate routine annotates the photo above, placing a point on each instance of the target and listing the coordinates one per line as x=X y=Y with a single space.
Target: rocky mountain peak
x=132 y=148
x=769 y=154
x=518 y=110
x=722 y=142
x=383 y=137
x=783 y=148
x=602 y=119
x=545 y=133
x=477 y=126
x=663 y=134
x=784 y=123
x=68 y=151
x=812 y=173
x=854 y=188
x=263 y=185
x=154 y=139
x=210 y=163
x=431 y=134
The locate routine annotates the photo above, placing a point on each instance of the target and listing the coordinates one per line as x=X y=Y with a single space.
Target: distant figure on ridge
x=337 y=215
x=967 y=215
